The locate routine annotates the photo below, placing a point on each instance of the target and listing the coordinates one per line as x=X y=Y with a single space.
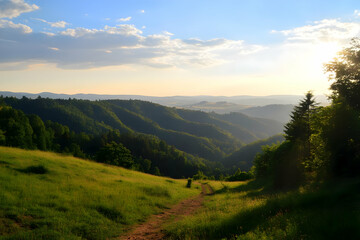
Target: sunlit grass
x=50 y=196
x=217 y=185
x=247 y=210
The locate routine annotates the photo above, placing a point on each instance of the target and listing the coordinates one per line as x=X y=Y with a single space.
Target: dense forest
x=131 y=150
x=86 y=136
x=160 y=140
x=209 y=136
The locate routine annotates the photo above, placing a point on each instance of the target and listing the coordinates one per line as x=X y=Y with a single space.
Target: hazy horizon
x=203 y=95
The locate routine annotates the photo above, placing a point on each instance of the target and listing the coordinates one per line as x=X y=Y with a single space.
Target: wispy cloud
x=142 y=11
x=305 y=49
x=327 y=30
x=124 y=19
x=58 y=24
x=356 y=13
x=13 y=8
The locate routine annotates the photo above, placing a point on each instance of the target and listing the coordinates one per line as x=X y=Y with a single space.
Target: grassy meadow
x=49 y=196
x=248 y=210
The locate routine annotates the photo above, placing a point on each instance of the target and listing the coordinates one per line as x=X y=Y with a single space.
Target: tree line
x=321 y=142
x=131 y=150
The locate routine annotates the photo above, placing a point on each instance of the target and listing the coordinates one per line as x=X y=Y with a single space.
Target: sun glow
x=325 y=52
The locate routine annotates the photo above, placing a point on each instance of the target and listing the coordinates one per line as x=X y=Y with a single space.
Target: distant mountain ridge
x=218 y=107
x=176 y=101
x=277 y=112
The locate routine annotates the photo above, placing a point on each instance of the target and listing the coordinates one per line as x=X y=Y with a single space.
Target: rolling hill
x=277 y=112
x=243 y=158
x=218 y=107
x=210 y=136
x=51 y=196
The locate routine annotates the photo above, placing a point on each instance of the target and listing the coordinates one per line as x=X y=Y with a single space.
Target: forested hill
x=243 y=158
x=210 y=136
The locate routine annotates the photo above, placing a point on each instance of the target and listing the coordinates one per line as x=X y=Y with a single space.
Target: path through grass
x=50 y=196
x=249 y=211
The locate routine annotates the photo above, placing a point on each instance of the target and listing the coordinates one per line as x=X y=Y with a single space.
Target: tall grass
x=49 y=196
x=250 y=211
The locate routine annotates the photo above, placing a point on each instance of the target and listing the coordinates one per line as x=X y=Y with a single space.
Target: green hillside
x=238 y=131
x=243 y=158
x=209 y=136
x=146 y=153
x=50 y=196
x=259 y=127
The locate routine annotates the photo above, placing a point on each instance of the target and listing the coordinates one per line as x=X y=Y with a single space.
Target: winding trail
x=152 y=229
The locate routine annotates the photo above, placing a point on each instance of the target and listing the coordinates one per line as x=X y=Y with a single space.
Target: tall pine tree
x=299 y=129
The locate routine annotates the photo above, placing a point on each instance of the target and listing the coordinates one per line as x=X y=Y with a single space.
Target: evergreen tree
x=2 y=137
x=299 y=128
x=39 y=132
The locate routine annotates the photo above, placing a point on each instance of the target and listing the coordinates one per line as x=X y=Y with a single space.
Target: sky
x=172 y=47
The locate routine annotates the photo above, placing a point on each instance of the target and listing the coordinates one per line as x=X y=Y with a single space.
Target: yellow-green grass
x=247 y=210
x=220 y=185
x=49 y=196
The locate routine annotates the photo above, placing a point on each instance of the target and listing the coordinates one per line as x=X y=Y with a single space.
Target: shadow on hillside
x=38 y=169
x=294 y=213
x=254 y=188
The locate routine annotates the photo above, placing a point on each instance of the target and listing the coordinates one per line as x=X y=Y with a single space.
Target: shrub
x=188 y=185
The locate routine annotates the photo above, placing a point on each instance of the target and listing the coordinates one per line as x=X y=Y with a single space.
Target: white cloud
x=126 y=44
x=357 y=13
x=124 y=19
x=123 y=29
x=327 y=30
x=300 y=57
x=142 y=11
x=115 y=45
x=13 y=8
x=10 y=26
x=49 y=33
x=78 y=32
x=168 y=33
x=58 y=24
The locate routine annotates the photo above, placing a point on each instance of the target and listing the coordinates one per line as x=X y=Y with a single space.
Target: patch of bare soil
x=152 y=229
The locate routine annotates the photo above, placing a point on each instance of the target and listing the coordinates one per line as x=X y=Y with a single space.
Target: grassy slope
x=76 y=198
x=248 y=211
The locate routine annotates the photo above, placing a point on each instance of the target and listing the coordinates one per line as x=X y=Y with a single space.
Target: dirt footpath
x=152 y=229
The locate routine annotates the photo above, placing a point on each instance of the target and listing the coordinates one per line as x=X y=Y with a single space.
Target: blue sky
x=161 y=47
x=249 y=20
